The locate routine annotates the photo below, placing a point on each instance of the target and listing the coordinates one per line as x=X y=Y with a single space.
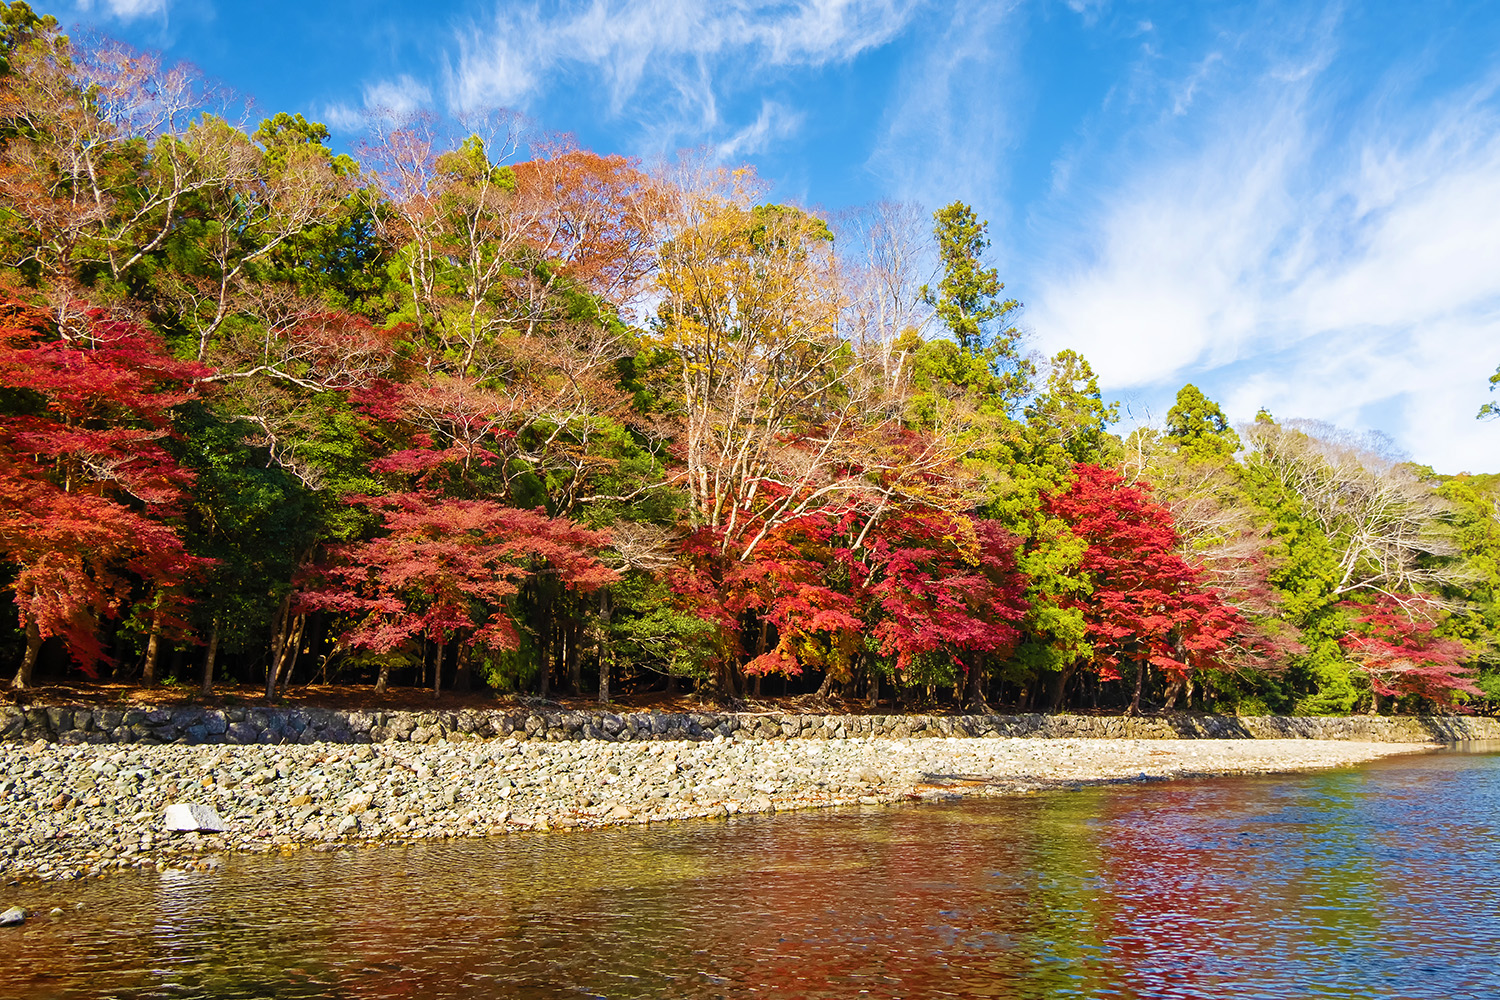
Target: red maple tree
x=444 y=569
x=1402 y=657
x=931 y=581
x=88 y=492
x=1146 y=604
x=918 y=582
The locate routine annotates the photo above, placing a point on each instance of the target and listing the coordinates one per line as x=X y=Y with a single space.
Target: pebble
x=280 y=797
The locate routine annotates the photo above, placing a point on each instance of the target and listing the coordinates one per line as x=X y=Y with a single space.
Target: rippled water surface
x=1379 y=881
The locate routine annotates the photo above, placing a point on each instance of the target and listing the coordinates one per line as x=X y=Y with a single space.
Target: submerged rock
x=13 y=916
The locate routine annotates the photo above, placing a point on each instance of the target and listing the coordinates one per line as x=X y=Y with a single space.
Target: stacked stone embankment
x=278 y=725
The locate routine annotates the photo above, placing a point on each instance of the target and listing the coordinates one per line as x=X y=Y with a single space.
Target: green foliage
x=968 y=302
x=648 y=632
x=785 y=225
x=1067 y=421
x=1197 y=426
x=470 y=163
x=19 y=25
x=251 y=517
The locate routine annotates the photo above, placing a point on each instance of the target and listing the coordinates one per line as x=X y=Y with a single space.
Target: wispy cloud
x=394 y=98
x=947 y=134
x=675 y=57
x=400 y=96
x=125 y=10
x=510 y=57
x=775 y=121
x=1324 y=258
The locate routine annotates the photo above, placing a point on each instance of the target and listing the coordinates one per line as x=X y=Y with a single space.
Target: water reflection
x=1373 y=882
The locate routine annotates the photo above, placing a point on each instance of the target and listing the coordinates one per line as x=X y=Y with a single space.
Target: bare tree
x=1386 y=525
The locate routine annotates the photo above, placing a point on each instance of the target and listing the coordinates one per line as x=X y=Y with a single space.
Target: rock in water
x=193 y=816
x=13 y=916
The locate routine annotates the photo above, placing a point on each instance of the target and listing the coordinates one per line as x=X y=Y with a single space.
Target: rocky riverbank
x=71 y=811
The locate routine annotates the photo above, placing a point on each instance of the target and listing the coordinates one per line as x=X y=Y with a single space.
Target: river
x=1376 y=881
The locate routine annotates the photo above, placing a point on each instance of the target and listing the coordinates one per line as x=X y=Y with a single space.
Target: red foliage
x=922 y=581
x=782 y=584
x=1147 y=604
x=86 y=488
x=1402 y=657
x=932 y=581
x=446 y=566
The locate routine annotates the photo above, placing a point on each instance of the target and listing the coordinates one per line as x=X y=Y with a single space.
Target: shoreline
x=78 y=811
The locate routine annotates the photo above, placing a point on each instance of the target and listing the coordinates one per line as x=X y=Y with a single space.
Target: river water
x=1376 y=881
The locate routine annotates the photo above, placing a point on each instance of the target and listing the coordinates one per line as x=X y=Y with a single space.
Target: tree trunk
x=1174 y=689
x=28 y=661
x=153 y=650
x=207 y=687
x=1057 y=687
x=383 y=679
x=278 y=644
x=606 y=654
x=826 y=688
x=437 y=668
x=976 y=686
x=544 y=643
x=1135 y=700
x=285 y=646
x=462 y=669
x=570 y=653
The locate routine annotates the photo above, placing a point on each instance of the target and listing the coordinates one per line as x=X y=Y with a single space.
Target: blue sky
x=1292 y=205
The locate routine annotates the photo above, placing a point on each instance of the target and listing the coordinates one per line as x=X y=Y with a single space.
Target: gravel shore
x=75 y=811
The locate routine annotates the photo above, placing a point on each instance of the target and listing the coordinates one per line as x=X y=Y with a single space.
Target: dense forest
x=476 y=407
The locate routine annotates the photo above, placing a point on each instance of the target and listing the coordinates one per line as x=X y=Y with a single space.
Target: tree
x=769 y=394
x=20 y=25
x=89 y=495
x=1070 y=416
x=1146 y=605
x=933 y=584
x=1403 y=657
x=1197 y=426
x=1383 y=523
x=97 y=164
x=253 y=202
x=444 y=571
x=968 y=302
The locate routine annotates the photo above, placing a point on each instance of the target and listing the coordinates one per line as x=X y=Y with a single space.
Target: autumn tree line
x=476 y=407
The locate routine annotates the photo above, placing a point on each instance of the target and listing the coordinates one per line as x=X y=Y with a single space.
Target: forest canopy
x=476 y=406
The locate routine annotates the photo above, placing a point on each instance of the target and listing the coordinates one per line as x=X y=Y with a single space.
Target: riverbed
x=77 y=811
x=1374 y=881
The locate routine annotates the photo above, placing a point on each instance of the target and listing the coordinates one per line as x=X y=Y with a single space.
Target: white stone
x=193 y=816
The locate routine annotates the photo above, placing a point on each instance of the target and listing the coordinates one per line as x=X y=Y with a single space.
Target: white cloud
x=398 y=97
x=340 y=117
x=126 y=10
x=948 y=134
x=673 y=59
x=1345 y=272
x=384 y=99
x=775 y=121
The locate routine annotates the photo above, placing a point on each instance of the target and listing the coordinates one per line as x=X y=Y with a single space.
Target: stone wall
x=241 y=725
